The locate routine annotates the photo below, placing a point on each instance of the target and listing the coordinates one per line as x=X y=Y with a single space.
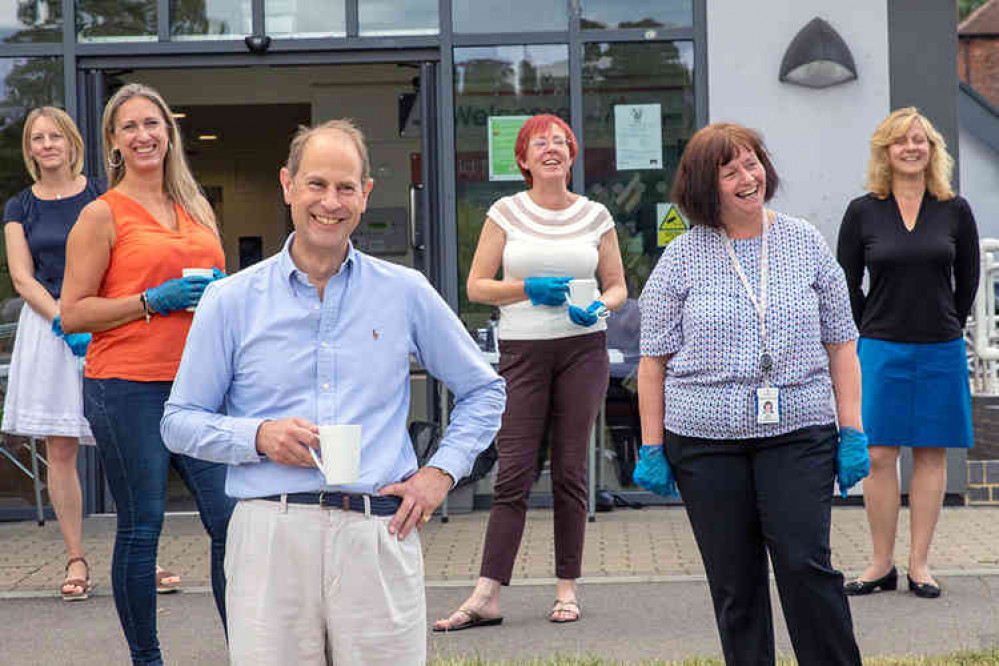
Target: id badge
x=767 y=405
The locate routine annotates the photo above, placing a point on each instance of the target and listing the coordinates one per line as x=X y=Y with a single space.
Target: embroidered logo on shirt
x=374 y=333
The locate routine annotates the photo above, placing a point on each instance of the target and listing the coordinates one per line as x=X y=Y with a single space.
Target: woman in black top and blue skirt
x=919 y=244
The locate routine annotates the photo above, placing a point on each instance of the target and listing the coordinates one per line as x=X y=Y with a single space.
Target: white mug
x=341 y=453
x=197 y=272
x=582 y=292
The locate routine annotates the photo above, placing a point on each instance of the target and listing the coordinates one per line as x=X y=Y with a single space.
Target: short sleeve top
x=46 y=224
x=696 y=310
x=547 y=243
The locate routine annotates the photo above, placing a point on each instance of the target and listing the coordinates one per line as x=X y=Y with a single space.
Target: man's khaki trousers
x=315 y=586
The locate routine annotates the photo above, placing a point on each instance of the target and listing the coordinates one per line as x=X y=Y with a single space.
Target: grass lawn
x=975 y=658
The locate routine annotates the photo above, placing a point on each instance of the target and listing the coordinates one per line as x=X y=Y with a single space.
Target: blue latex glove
x=589 y=316
x=177 y=294
x=78 y=342
x=853 y=461
x=653 y=471
x=547 y=290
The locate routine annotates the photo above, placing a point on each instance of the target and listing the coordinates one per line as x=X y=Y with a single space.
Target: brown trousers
x=557 y=384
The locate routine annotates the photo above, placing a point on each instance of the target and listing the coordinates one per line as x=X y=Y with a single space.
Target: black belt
x=381 y=505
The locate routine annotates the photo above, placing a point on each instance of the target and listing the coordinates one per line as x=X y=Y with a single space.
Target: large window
x=210 y=19
x=26 y=83
x=121 y=20
x=31 y=21
x=638 y=105
x=514 y=16
x=288 y=18
x=397 y=17
x=613 y=14
x=491 y=83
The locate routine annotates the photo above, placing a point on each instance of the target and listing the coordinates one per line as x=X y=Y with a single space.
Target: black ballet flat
x=888 y=582
x=923 y=590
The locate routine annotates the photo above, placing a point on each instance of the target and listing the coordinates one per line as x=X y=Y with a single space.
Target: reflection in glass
x=210 y=19
x=27 y=83
x=496 y=81
x=397 y=17
x=658 y=76
x=510 y=16
x=288 y=18
x=116 y=20
x=31 y=21
x=611 y=14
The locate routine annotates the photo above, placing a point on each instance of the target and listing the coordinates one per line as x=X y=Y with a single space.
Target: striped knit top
x=547 y=243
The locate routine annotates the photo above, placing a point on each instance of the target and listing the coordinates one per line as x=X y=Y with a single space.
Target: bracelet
x=145 y=305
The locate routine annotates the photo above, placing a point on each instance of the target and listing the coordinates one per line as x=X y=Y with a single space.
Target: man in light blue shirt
x=321 y=334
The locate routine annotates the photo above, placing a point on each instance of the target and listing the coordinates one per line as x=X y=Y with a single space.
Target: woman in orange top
x=124 y=283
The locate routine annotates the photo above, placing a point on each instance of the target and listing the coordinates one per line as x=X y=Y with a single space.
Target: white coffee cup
x=197 y=272
x=340 y=446
x=582 y=292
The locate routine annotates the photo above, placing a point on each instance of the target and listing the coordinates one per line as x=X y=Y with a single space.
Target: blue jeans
x=125 y=419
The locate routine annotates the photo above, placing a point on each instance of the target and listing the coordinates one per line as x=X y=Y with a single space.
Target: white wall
x=980 y=182
x=818 y=138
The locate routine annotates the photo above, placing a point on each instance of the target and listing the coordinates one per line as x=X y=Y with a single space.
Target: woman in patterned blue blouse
x=747 y=336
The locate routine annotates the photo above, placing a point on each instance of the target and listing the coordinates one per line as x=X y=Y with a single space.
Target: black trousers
x=747 y=498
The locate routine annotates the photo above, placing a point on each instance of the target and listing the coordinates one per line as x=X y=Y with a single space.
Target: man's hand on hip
x=286 y=441
x=421 y=494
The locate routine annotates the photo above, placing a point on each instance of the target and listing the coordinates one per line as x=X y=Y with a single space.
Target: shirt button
x=324 y=344
x=315 y=307
x=326 y=386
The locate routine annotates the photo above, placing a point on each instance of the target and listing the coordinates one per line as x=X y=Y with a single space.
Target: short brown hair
x=695 y=186
x=344 y=126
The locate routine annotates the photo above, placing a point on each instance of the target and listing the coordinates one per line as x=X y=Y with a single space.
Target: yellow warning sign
x=671 y=223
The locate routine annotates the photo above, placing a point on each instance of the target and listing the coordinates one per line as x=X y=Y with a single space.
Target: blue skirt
x=916 y=394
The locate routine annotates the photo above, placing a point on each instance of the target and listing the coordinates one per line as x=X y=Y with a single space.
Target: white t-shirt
x=547 y=243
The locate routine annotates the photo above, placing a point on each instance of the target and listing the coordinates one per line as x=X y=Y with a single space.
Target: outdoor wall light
x=817 y=58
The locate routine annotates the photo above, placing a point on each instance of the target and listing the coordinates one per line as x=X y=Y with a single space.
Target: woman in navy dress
x=44 y=392
x=918 y=243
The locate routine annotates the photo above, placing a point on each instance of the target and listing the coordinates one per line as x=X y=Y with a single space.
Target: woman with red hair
x=553 y=356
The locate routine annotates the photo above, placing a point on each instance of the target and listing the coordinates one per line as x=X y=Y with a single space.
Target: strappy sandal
x=81 y=587
x=472 y=619
x=163 y=587
x=570 y=607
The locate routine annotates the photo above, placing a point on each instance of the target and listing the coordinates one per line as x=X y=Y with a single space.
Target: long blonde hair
x=68 y=128
x=939 y=170
x=178 y=181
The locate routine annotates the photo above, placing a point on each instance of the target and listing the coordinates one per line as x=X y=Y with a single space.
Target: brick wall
x=978 y=66
x=985 y=420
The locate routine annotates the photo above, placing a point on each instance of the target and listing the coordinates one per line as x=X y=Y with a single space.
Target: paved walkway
x=626 y=545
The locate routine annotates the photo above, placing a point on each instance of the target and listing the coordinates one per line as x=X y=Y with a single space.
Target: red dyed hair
x=537 y=125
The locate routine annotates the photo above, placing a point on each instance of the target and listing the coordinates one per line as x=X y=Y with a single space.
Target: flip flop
x=560 y=606
x=474 y=620
x=83 y=584
x=163 y=587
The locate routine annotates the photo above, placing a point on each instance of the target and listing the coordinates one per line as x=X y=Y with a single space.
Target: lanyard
x=759 y=304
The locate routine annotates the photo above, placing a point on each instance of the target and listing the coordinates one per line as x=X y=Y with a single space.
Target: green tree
x=965 y=7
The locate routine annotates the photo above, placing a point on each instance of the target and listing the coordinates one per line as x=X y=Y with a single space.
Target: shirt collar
x=292 y=273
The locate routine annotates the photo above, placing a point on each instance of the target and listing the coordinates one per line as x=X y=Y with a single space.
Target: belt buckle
x=322 y=498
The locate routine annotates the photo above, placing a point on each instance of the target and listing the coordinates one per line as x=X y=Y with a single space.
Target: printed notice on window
x=638 y=136
x=502 y=139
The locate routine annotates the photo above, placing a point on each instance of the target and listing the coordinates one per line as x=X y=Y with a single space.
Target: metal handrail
x=982 y=331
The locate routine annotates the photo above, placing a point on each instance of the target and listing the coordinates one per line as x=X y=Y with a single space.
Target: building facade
x=437 y=85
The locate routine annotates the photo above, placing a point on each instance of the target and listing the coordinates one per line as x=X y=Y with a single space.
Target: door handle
x=415 y=235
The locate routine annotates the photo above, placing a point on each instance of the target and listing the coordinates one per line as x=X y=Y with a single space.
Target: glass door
x=237 y=123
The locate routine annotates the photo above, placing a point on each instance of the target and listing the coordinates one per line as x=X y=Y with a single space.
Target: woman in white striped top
x=553 y=356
